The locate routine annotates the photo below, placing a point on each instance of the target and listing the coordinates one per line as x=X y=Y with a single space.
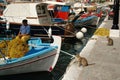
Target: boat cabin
x=59 y=11
x=35 y=13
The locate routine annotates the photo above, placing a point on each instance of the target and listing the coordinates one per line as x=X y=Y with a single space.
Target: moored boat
x=90 y=17
x=59 y=11
x=40 y=57
x=38 y=17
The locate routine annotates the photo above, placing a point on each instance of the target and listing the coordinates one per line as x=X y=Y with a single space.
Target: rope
x=33 y=45
x=67 y=53
x=67 y=30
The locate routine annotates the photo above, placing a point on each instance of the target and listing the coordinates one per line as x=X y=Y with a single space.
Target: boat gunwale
x=36 y=25
x=26 y=57
x=4 y=67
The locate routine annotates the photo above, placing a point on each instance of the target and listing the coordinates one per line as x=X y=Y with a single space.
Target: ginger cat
x=81 y=60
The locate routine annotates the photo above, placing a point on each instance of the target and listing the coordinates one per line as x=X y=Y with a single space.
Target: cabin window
x=43 y=10
x=58 y=8
x=40 y=9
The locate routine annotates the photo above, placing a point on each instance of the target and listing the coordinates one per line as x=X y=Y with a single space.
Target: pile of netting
x=102 y=32
x=14 y=48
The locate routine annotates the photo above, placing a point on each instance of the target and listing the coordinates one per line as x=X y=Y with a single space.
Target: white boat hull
x=44 y=62
x=40 y=63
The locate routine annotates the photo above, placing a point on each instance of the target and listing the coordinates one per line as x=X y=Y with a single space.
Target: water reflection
x=64 y=59
x=29 y=76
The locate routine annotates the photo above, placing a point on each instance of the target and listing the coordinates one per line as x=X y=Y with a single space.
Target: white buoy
x=84 y=30
x=7 y=24
x=79 y=35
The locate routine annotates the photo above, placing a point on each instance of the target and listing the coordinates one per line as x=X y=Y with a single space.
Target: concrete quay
x=106 y=59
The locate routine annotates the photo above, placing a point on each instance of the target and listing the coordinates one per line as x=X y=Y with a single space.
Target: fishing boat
x=59 y=11
x=90 y=17
x=42 y=56
x=64 y=12
x=38 y=18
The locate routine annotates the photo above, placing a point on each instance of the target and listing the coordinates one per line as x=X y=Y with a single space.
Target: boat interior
x=36 y=48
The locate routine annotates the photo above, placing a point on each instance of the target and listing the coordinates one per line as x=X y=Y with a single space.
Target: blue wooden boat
x=40 y=57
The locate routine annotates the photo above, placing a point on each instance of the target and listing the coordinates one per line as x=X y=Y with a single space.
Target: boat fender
x=84 y=30
x=79 y=35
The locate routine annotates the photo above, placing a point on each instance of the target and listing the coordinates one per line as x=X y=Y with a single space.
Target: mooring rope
x=67 y=53
x=33 y=45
